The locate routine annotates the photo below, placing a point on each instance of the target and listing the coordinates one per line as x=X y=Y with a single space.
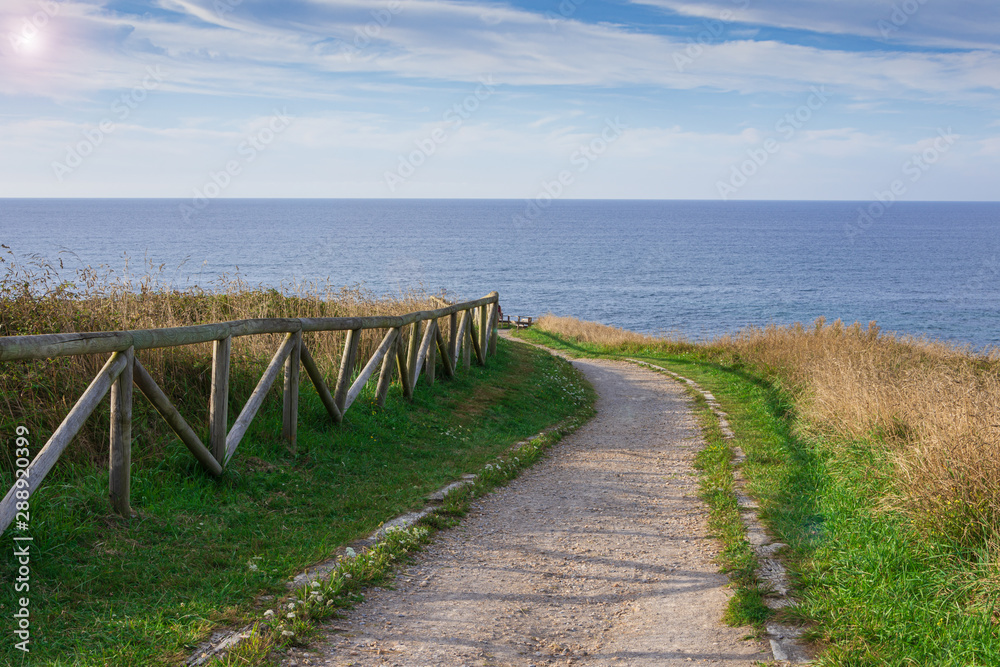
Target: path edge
x=785 y=640
x=226 y=639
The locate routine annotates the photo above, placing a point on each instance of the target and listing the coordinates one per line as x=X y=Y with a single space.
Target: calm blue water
x=699 y=268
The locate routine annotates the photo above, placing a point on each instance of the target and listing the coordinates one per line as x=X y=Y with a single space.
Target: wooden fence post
x=70 y=426
x=148 y=386
x=484 y=326
x=426 y=340
x=312 y=370
x=123 y=371
x=446 y=359
x=494 y=326
x=474 y=322
x=290 y=402
x=431 y=349
x=381 y=352
x=385 y=375
x=218 y=418
x=404 y=374
x=467 y=340
x=459 y=340
x=453 y=338
x=120 y=463
x=476 y=338
x=347 y=368
x=256 y=399
x=412 y=351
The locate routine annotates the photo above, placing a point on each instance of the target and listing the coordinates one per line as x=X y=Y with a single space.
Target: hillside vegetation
x=38 y=297
x=876 y=458
x=936 y=405
x=201 y=553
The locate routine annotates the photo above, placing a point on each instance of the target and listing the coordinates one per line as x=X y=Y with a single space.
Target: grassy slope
x=145 y=590
x=871 y=590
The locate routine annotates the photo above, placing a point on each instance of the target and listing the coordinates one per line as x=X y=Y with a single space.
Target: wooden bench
x=523 y=322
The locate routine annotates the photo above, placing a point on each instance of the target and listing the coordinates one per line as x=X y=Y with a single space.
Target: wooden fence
x=472 y=328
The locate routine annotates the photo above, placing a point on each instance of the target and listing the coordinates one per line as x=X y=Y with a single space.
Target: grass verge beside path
x=870 y=588
x=146 y=590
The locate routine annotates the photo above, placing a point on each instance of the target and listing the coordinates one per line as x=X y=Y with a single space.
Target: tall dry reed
x=37 y=296
x=936 y=405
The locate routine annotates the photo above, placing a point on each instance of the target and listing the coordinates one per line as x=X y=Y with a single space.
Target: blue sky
x=658 y=99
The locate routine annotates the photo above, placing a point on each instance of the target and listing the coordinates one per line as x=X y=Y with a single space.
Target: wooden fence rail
x=472 y=327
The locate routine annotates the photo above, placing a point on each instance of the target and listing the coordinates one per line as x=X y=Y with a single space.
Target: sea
x=692 y=268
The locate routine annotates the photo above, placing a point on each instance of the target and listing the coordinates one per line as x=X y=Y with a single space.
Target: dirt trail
x=598 y=555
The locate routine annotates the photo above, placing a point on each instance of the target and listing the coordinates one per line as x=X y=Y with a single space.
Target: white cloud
x=989 y=147
x=449 y=42
x=556 y=84
x=339 y=155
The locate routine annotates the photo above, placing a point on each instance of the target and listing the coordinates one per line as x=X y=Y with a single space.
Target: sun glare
x=31 y=36
x=30 y=44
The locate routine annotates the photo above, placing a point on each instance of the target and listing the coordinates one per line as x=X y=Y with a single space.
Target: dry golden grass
x=34 y=299
x=937 y=405
x=602 y=334
x=592 y=332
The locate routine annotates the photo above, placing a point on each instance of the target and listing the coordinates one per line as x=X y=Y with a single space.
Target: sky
x=642 y=99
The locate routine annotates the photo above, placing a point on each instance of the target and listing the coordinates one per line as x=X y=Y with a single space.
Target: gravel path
x=598 y=555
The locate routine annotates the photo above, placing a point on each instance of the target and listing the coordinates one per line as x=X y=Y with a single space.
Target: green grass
x=718 y=489
x=292 y=620
x=146 y=590
x=871 y=590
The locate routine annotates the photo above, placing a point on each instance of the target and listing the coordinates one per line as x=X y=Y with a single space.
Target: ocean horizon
x=694 y=268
